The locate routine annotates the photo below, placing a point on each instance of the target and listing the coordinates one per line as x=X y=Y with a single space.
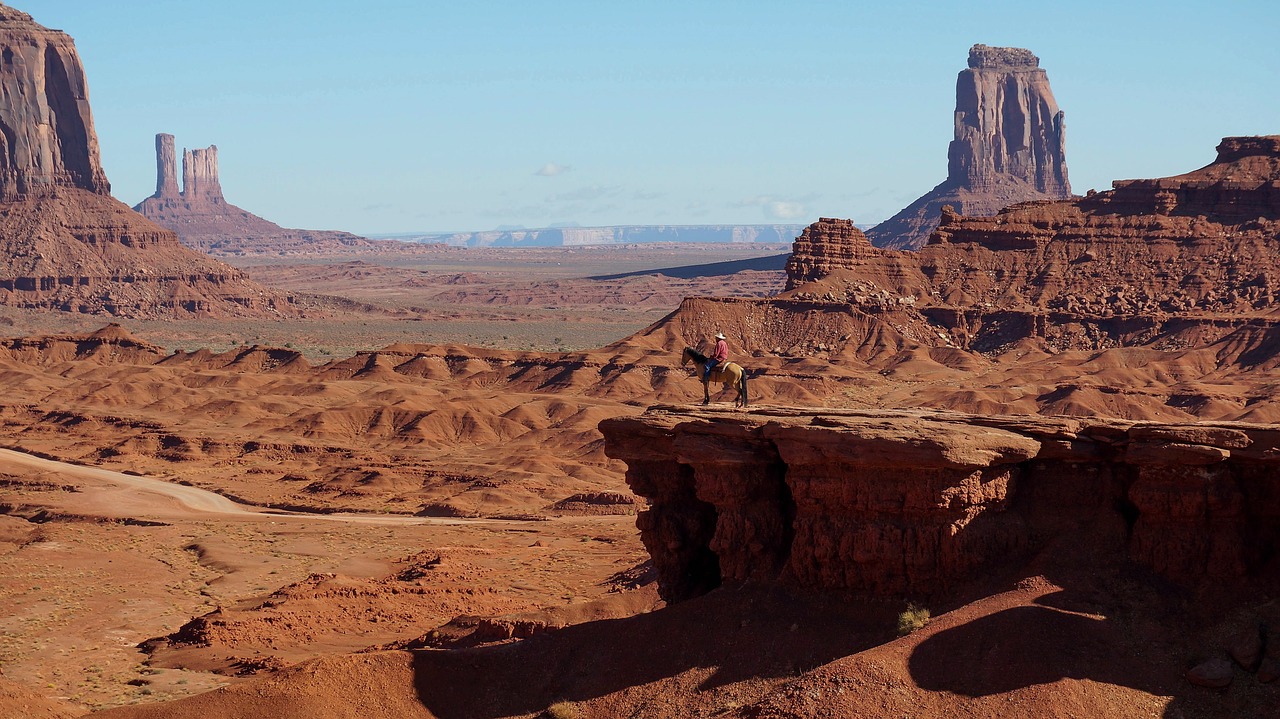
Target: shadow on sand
x=735 y=634
x=1128 y=634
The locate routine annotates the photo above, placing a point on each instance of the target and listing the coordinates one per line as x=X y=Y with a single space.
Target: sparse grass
x=563 y=710
x=914 y=618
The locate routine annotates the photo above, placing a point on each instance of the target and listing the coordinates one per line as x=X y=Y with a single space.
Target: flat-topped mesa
x=200 y=175
x=1238 y=148
x=1243 y=181
x=1009 y=146
x=48 y=132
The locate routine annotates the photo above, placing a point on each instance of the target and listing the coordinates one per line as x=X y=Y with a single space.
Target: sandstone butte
x=65 y=243
x=204 y=220
x=1009 y=146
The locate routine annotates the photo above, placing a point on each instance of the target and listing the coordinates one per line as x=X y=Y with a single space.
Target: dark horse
x=731 y=375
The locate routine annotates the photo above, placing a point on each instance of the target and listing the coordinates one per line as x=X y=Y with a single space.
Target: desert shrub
x=563 y=710
x=915 y=617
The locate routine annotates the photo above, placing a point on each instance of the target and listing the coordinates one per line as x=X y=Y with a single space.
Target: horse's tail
x=743 y=382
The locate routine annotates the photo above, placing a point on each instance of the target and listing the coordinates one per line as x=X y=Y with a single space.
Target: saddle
x=717 y=373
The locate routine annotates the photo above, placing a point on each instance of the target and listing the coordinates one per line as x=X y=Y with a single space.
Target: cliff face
x=205 y=221
x=918 y=503
x=64 y=242
x=1009 y=146
x=44 y=100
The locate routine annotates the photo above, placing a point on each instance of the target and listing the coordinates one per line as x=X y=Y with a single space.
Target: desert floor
x=95 y=562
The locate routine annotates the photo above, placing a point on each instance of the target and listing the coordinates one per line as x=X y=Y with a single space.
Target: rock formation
x=205 y=221
x=48 y=128
x=200 y=175
x=1162 y=262
x=1009 y=146
x=166 y=168
x=918 y=502
x=65 y=243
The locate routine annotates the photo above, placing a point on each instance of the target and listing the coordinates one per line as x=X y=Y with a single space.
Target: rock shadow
x=735 y=633
x=1073 y=635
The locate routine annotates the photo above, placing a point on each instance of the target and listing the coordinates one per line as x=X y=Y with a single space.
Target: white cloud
x=552 y=169
x=778 y=208
x=783 y=210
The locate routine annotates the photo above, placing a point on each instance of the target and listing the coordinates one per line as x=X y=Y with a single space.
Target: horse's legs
x=706 y=391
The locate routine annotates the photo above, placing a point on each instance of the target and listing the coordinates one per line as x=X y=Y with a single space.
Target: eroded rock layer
x=918 y=502
x=1009 y=146
x=77 y=251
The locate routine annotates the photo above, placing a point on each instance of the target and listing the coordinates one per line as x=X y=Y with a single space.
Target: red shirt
x=722 y=351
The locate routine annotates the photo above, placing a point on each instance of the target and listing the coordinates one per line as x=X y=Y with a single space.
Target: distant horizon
x=407 y=115
x=428 y=233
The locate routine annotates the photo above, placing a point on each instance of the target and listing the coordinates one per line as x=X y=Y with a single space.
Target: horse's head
x=684 y=358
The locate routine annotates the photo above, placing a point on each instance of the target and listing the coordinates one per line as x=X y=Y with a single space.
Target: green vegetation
x=915 y=617
x=563 y=710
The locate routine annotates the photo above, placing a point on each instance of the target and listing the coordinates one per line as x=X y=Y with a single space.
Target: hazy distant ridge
x=623 y=234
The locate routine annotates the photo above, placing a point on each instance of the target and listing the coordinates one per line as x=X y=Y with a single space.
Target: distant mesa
x=204 y=220
x=566 y=236
x=65 y=243
x=1009 y=147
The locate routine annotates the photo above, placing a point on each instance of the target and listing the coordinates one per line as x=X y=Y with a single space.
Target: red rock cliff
x=1009 y=146
x=918 y=503
x=44 y=100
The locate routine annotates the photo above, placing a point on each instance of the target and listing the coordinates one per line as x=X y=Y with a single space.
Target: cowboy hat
x=719 y=335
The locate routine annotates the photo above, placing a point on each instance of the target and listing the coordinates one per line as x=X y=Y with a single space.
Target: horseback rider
x=719 y=355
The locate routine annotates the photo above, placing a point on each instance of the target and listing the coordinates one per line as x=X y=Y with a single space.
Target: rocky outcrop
x=1168 y=263
x=1009 y=147
x=921 y=502
x=64 y=242
x=205 y=221
x=44 y=102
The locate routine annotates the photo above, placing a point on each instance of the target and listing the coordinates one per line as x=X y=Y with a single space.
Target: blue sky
x=398 y=115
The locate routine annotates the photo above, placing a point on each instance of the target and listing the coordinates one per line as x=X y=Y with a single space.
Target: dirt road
x=116 y=494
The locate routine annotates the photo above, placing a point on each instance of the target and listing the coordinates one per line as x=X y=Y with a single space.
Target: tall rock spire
x=200 y=175
x=1009 y=147
x=1008 y=126
x=48 y=137
x=166 y=168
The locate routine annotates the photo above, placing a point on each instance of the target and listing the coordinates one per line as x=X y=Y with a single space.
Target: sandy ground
x=115 y=560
